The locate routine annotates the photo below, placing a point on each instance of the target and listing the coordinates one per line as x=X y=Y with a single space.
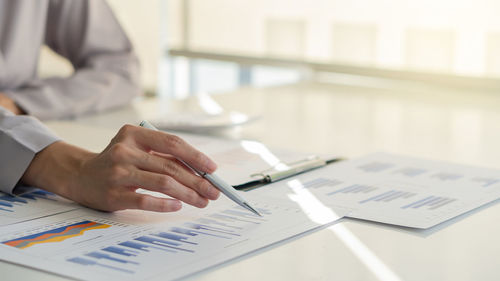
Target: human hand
x=9 y=104
x=135 y=158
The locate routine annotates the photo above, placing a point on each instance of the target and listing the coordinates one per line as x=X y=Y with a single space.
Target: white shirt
x=89 y=36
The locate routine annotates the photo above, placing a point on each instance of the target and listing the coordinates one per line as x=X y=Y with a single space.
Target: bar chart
x=34 y=204
x=431 y=202
x=321 y=182
x=9 y=202
x=388 y=196
x=186 y=240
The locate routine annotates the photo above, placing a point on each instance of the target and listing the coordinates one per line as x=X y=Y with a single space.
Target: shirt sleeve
x=21 y=137
x=106 y=69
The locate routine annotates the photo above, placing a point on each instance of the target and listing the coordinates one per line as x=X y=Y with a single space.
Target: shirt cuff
x=21 y=138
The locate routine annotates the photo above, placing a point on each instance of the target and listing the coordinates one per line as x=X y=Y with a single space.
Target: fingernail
x=177 y=205
x=202 y=203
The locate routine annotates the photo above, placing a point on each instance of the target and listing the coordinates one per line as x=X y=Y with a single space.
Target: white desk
x=349 y=121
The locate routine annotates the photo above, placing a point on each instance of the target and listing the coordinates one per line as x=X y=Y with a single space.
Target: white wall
x=399 y=34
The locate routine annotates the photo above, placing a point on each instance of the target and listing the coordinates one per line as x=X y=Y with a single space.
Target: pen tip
x=252 y=209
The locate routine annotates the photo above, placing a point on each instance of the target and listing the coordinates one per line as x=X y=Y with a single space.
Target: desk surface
x=461 y=127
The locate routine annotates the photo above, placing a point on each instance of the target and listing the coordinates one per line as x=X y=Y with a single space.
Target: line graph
x=55 y=235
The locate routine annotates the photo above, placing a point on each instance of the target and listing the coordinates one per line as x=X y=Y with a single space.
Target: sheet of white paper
x=32 y=205
x=400 y=190
x=136 y=245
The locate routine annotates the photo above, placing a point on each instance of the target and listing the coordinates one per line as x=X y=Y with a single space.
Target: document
x=399 y=190
x=138 y=245
x=34 y=204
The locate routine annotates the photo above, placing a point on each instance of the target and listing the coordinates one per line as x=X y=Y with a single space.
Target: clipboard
x=285 y=170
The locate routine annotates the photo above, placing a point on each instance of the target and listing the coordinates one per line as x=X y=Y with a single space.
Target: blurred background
x=215 y=46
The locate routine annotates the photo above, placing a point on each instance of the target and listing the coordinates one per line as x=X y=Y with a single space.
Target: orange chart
x=55 y=235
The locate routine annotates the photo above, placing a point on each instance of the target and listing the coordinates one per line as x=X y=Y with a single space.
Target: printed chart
x=31 y=205
x=402 y=190
x=88 y=245
x=55 y=235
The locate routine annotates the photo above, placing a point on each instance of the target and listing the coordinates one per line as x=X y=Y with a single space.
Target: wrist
x=56 y=168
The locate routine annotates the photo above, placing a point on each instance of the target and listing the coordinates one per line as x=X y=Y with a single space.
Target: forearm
x=106 y=69
x=86 y=91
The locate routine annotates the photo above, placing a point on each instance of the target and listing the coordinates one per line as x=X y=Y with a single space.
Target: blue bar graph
x=432 y=202
x=231 y=218
x=99 y=255
x=13 y=199
x=8 y=202
x=209 y=228
x=388 y=196
x=377 y=197
x=195 y=232
x=121 y=251
x=162 y=243
x=355 y=188
x=428 y=202
x=38 y=194
x=320 y=182
x=83 y=261
x=418 y=202
x=174 y=237
x=142 y=247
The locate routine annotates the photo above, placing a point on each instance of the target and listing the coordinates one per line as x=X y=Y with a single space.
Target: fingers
x=167 y=185
x=137 y=157
x=169 y=144
x=132 y=200
x=175 y=169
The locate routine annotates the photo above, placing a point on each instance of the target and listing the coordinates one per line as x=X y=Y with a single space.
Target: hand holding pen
x=135 y=158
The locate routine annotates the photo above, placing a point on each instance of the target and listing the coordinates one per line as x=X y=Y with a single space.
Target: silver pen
x=221 y=185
